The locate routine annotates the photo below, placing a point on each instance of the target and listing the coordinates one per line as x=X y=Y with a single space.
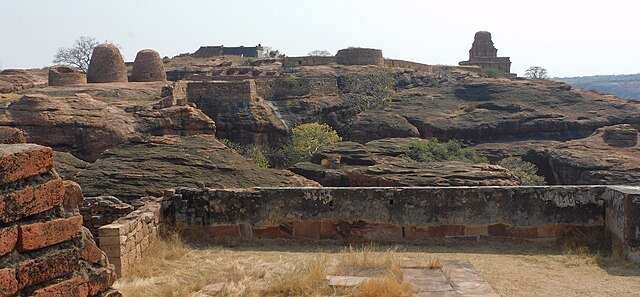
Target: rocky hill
x=624 y=86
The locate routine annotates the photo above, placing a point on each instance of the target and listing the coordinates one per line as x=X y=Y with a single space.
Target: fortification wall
x=559 y=213
x=407 y=64
x=221 y=90
x=360 y=56
x=125 y=240
x=44 y=251
x=308 y=61
x=286 y=87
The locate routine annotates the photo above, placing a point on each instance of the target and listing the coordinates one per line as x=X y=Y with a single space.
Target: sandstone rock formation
x=374 y=125
x=106 y=65
x=10 y=135
x=13 y=80
x=360 y=56
x=148 y=66
x=485 y=55
x=377 y=163
x=604 y=158
x=133 y=170
x=66 y=76
x=86 y=127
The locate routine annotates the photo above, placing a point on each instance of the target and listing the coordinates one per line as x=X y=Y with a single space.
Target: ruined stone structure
x=44 y=250
x=588 y=214
x=66 y=76
x=215 y=51
x=308 y=61
x=125 y=240
x=148 y=66
x=485 y=55
x=360 y=56
x=106 y=65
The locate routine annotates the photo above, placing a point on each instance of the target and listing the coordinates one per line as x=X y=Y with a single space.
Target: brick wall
x=221 y=90
x=44 y=250
x=558 y=213
x=125 y=240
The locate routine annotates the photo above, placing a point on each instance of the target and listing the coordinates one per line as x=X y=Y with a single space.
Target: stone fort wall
x=557 y=213
x=44 y=250
x=307 y=61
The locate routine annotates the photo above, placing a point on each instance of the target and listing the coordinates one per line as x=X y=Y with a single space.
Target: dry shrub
x=389 y=286
x=307 y=279
x=367 y=257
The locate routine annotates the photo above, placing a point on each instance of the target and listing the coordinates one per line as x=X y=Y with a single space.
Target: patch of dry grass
x=273 y=268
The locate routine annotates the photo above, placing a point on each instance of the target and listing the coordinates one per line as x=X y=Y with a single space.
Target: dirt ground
x=172 y=268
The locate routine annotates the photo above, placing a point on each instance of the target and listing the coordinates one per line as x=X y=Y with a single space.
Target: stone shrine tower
x=485 y=55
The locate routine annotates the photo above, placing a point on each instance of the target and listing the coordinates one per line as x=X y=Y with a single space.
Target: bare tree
x=320 y=53
x=79 y=55
x=536 y=72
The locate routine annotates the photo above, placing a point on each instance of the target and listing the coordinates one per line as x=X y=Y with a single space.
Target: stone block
x=72 y=196
x=546 y=231
x=8 y=239
x=425 y=280
x=46 y=267
x=92 y=253
x=113 y=229
x=20 y=161
x=282 y=231
x=75 y=286
x=524 y=231
x=446 y=230
x=30 y=201
x=8 y=282
x=38 y=235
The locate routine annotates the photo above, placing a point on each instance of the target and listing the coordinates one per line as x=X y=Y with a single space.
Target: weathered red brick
x=524 y=231
x=499 y=230
x=547 y=231
x=73 y=287
x=8 y=239
x=306 y=229
x=30 y=201
x=476 y=230
x=19 y=161
x=101 y=279
x=38 y=235
x=8 y=282
x=416 y=232
x=46 y=267
x=271 y=232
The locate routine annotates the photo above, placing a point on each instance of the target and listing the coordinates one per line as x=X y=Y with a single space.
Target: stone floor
x=455 y=278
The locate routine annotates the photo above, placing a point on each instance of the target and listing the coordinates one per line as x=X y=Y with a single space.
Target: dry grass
x=272 y=268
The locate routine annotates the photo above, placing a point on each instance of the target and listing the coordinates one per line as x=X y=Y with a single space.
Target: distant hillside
x=624 y=86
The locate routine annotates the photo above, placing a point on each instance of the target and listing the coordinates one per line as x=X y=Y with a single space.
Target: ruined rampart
x=308 y=61
x=559 y=213
x=44 y=251
x=406 y=64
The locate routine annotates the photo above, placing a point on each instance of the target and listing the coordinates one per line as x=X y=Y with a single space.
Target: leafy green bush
x=255 y=153
x=524 y=170
x=492 y=72
x=292 y=80
x=248 y=61
x=436 y=151
x=307 y=139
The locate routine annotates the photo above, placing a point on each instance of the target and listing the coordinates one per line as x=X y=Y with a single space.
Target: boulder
x=619 y=135
x=10 y=135
x=372 y=125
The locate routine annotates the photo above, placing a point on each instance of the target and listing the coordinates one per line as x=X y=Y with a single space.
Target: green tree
x=370 y=90
x=307 y=139
x=436 y=151
x=536 y=72
x=255 y=153
x=524 y=170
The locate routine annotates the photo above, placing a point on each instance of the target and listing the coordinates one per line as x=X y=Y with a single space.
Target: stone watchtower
x=484 y=54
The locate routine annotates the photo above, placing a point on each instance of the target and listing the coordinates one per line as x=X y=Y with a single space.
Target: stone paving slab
x=426 y=280
x=346 y=280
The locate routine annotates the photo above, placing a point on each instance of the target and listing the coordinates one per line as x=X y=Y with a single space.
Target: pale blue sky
x=567 y=37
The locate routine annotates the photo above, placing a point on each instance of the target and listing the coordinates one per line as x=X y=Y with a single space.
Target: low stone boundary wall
x=407 y=64
x=572 y=213
x=44 y=251
x=126 y=239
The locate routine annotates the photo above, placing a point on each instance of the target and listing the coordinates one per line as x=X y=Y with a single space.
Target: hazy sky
x=569 y=38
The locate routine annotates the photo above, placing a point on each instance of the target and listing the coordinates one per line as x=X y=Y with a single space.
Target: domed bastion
x=106 y=65
x=360 y=56
x=148 y=66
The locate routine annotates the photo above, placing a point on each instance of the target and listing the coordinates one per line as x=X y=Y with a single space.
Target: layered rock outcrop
x=134 y=170
x=14 y=80
x=378 y=163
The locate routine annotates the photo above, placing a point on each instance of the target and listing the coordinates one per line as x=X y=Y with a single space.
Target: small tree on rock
x=79 y=55
x=320 y=53
x=536 y=72
x=307 y=139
